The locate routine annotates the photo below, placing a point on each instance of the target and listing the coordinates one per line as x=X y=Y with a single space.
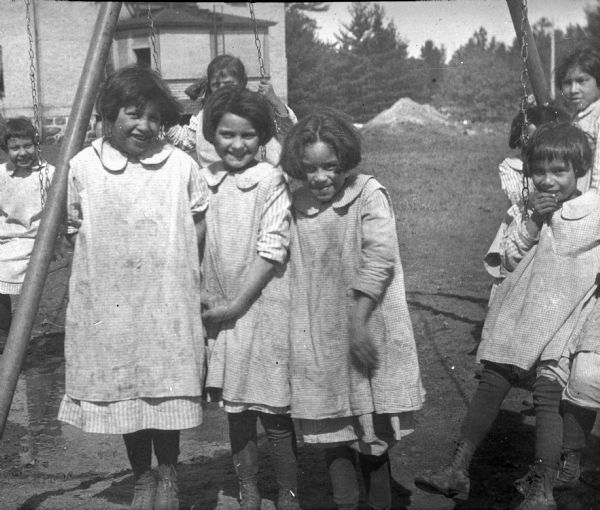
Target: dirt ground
x=448 y=203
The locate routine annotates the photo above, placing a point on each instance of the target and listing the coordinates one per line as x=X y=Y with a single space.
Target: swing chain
x=153 y=39
x=261 y=61
x=524 y=103
x=43 y=170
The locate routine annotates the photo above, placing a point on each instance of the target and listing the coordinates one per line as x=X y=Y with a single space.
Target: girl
x=553 y=259
x=354 y=366
x=133 y=344
x=246 y=250
x=578 y=78
x=226 y=70
x=510 y=171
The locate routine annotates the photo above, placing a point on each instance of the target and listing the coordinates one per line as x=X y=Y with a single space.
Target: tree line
x=368 y=68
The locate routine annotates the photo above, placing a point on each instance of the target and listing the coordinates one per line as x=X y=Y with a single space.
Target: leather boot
x=144 y=490
x=453 y=481
x=539 y=495
x=569 y=471
x=245 y=463
x=167 y=492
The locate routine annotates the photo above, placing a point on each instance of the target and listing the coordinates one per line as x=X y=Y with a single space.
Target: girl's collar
x=115 y=161
x=587 y=111
x=579 y=207
x=305 y=202
x=246 y=179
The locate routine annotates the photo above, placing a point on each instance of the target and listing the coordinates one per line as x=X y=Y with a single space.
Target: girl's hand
x=543 y=204
x=266 y=89
x=215 y=311
x=362 y=350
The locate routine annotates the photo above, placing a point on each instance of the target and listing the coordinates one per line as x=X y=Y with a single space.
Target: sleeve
x=284 y=124
x=595 y=177
x=511 y=182
x=184 y=137
x=198 y=190
x=274 y=231
x=517 y=241
x=379 y=245
x=74 y=215
x=492 y=261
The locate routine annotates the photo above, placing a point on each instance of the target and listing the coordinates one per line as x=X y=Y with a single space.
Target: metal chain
x=261 y=62
x=153 y=39
x=524 y=103
x=43 y=167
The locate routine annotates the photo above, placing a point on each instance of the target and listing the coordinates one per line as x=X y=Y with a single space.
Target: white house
x=187 y=35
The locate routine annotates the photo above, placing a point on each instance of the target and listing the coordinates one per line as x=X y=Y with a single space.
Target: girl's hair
x=17 y=127
x=242 y=102
x=536 y=115
x=586 y=58
x=329 y=126
x=559 y=141
x=137 y=86
x=229 y=64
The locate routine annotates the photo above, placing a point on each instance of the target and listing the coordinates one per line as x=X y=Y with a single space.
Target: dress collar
x=580 y=206
x=305 y=202
x=115 y=161
x=214 y=175
x=594 y=107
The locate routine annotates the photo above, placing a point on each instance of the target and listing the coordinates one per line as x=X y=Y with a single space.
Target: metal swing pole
x=538 y=81
x=89 y=82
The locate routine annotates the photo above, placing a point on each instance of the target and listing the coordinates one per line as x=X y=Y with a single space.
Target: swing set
x=54 y=197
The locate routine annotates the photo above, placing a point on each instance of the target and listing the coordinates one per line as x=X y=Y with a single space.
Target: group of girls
x=543 y=320
x=188 y=278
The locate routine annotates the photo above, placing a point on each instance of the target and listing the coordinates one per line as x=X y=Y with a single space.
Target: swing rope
x=43 y=173
x=524 y=78
x=153 y=38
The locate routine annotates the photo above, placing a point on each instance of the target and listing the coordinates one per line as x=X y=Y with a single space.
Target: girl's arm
x=260 y=272
x=284 y=117
x=361 y=346
x=200 y=224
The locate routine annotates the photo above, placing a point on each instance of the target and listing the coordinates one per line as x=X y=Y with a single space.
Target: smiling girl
x=133 y=339
x=246 y=300
x=578 y=78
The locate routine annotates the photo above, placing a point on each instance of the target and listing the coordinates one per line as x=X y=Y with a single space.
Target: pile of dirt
x=406 y=111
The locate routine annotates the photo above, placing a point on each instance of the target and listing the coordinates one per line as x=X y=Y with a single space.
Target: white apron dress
x=347 y=245
x=134 y=346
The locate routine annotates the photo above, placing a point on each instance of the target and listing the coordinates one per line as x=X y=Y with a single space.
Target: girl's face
x=236 y=142
x=134 y=131
x=323 y=173
x=222 y=79
x=555 y=176
x=22 y=152
x=580 y=88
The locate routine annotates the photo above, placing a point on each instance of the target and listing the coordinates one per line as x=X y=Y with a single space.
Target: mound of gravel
x=406 y=111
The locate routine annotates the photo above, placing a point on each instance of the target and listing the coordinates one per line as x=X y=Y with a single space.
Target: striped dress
x=348 y=245
x=134 y=346
x=249 y=216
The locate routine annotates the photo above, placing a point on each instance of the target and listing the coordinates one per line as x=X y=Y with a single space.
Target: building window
x=143 y=56
x=1 y=75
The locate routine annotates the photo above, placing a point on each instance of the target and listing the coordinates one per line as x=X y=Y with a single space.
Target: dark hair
x=17 y=127
x=536 y=115
x=242 y=102
x=229 y=64
x=328 y=126
x=137 y=86
x=559 y=141
x=587 y=58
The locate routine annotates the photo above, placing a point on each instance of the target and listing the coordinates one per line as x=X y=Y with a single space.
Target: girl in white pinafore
x=354 y=366
x=246 y=291
x=134 y=346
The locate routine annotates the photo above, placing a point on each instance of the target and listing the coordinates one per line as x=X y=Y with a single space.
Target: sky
x=452 y=22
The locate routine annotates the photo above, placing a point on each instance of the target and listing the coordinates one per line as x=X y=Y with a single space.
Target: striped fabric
x=126 y=416
x=589 y=121
x=510 y=171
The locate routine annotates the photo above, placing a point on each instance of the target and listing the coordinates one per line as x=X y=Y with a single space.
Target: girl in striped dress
x=246 y=289
x=354 y=366
x=134 y=347
x=553 y=259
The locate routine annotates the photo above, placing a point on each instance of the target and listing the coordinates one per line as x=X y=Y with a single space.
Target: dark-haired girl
x=134 y=345
x=354 y=366
x=246 y=312
x=553 y=258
